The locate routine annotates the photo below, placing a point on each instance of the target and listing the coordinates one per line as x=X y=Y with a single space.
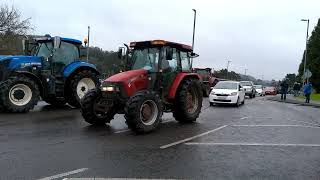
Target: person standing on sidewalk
x=284 y=89
x=307 y=89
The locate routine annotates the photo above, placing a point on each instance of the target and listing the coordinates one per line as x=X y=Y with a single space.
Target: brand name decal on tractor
x=23 y=65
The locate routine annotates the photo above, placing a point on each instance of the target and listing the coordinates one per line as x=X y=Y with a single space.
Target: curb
x=290 y=101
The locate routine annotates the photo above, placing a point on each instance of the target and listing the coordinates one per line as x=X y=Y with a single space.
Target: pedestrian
x=307 y=89
x=296 y=89
x=284 y=89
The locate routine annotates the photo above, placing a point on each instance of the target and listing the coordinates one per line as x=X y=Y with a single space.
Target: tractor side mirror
x=121 y=52
x=56 y=42
x=193 y=55
x=169 y=54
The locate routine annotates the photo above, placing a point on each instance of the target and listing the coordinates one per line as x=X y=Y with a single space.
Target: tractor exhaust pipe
x=194 y=30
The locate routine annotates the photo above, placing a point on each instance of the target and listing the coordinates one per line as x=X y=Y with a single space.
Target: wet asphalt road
x=259 y=140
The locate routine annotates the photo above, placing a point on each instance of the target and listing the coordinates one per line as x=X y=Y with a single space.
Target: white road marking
x=121 y=131
x=244 y=118
x=191 y=138
x=280 y=125
x=252 y=144
x=64 y=174
x=115 y=179
x=313 y=124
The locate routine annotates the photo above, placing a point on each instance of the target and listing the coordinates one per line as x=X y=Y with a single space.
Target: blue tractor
x=51 y=69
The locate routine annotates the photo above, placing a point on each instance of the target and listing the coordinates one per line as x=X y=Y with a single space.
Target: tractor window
x=185 y=61
x=45 y=49
x=66 y=54
x=171 y=64
x=146 y=59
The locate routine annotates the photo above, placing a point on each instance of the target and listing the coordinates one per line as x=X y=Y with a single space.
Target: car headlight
x=234 y=94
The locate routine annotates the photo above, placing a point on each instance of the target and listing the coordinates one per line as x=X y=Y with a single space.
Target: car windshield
x=246 y=83
x=226 y=85
x=44 y=49
x=146 y=58
x=258 y=86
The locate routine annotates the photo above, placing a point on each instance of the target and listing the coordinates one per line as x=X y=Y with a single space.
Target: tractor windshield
x=202 y=72
x=146 y=58
x=45 y=49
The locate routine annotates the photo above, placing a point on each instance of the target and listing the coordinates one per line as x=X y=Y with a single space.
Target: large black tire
x=72 y=96
x=180 y=109
x=55 y=102
x=134 y=111
x=14 y=94
x=89 y=111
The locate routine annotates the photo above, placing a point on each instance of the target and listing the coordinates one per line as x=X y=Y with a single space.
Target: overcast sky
x=265 y=37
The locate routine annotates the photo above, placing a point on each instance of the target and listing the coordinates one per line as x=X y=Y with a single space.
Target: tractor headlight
x=108 y=88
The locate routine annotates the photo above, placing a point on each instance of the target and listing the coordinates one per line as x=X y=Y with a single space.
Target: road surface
x=259 y=140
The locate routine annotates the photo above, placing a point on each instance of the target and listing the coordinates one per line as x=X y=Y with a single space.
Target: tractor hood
x=17 y=62
x=130 y=82
x=127 y=76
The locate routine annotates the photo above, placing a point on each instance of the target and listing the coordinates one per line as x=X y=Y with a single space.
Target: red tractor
x=206 y=78
x=158 y=79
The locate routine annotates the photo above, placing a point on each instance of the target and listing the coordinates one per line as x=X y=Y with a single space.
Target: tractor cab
x=162 y=60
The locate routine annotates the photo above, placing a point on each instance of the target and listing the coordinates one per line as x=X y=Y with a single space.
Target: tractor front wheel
x=143 y=112
x=80 y=84
x=94 y=108
x=188 y=101
x=19 y=94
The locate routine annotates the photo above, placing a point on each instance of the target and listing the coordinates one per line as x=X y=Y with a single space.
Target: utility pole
x=245 y=72
x=306 y=51
x=228 y=68
x=194 y=30
x=88 y=44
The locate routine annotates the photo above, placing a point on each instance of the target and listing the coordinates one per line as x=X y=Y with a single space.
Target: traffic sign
x=307 y=74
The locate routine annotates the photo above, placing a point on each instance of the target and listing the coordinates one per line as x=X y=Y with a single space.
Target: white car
x=227 y=92
x=259 y=90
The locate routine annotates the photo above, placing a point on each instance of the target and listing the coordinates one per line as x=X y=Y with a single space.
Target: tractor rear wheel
x=80 y=84
x=94 y=109
x=19 y=94
x=188 y=101
x=143 y=112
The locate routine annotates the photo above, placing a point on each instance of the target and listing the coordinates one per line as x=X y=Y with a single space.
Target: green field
x=314 y=97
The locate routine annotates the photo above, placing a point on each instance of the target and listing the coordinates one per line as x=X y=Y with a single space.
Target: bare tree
x=11 y=22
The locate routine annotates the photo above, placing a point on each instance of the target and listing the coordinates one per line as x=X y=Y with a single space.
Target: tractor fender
x=178 y=80
x=31 y=76
x=76 y=66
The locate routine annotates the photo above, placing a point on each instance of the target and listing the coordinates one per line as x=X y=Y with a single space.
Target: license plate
x=222 y=97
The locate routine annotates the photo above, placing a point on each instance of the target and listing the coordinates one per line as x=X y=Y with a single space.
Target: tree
x=11 y=22
x=291 y=79
x=313 y=58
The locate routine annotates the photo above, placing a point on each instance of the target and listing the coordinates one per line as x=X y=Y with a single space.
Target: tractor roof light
x=158 y=42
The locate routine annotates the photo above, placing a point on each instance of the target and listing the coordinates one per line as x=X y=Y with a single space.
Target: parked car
x=259 y=90
x=227 y=92
x=270 y=91
x=249 y=88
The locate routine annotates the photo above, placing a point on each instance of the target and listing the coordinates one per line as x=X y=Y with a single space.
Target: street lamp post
x=245 y=71
x=228 y=68
x=306 y=52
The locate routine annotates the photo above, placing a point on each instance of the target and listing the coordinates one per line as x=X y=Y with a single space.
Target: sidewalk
x=293 y=100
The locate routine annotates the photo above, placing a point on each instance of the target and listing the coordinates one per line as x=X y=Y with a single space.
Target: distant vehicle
x=227 y=92
x=270 y=91
x=207 y=79
x=249 y=88
x=259 y=90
